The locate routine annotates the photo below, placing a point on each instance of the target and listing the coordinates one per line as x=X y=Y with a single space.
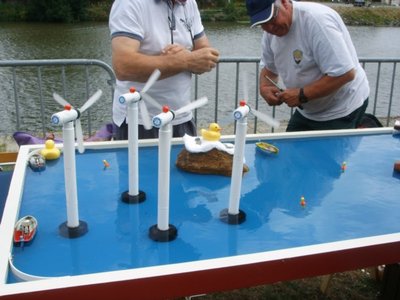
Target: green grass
x=369 y=16
x=353 y=285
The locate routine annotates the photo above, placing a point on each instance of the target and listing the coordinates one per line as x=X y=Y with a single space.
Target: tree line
x=44 y=10
x=69 y=10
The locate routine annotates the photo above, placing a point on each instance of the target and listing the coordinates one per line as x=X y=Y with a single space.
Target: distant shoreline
x=369 y=15
x=373 y=14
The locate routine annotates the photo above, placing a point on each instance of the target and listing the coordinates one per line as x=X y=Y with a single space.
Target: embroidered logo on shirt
x=297 y=56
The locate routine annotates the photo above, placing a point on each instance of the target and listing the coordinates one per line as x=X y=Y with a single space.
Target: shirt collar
x=181 y=2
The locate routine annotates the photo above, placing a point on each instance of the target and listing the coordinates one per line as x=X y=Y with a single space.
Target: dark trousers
x=121 y=132
x=299 y=123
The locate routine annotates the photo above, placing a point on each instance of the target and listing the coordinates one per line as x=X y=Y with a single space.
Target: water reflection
x=52 y=41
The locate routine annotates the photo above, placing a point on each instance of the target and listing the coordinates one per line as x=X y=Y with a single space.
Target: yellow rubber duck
x=212 y=134
x=50 y=151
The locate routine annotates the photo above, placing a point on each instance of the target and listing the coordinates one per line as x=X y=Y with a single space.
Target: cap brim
x=262 y=16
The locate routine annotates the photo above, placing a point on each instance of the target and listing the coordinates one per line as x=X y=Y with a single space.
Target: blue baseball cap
x=260 y=11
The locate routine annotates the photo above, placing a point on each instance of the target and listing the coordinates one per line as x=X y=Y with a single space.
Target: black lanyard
x=172 y=21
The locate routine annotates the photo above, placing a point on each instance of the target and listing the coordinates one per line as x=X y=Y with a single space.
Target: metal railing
x=29 y=85
x=382 y=73
x=26 y=88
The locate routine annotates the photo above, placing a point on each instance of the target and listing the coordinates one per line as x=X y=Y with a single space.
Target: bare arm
x=320 y=88
x=130 y=64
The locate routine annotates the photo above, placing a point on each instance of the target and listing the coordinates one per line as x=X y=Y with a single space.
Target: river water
x=91 y=41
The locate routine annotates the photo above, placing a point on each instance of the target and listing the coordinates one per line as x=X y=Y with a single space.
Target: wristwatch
x=302 y=97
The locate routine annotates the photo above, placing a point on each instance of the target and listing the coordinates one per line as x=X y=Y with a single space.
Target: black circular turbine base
x=133 y=199
x=158 y=235
x=73 y=232
x=232 y=219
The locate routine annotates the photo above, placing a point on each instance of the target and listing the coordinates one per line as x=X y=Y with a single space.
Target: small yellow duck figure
x=213 y=133
x=50 y=151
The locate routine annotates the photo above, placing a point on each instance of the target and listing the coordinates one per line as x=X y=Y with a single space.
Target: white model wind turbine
x=233 y=215
x=78 y=127
x=73 y=227
x=134 y=100
x=163 y=231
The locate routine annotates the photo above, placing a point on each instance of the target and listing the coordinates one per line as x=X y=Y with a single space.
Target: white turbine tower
x=73 y=227
x=233 y=215
x=163 y=231
x=134 y=100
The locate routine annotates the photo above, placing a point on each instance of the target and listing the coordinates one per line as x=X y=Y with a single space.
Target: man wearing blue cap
x=309 y=49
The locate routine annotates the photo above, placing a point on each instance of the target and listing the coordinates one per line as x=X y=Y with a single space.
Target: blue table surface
x=363 y=201
x=5 y=180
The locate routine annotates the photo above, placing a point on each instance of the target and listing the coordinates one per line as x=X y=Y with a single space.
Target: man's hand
x=202 y=60
x=291 y=97
x=269 y=91
x=271 y=94
x=197 y=61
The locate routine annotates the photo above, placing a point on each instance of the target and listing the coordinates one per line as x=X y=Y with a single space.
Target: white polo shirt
x=147 y=21
x=318 y=43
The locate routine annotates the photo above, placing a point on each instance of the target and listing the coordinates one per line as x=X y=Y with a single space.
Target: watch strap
x=302 y=98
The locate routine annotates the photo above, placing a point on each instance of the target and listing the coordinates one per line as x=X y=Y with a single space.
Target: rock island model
x=206 y=154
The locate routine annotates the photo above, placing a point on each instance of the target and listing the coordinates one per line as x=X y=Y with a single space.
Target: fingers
x=213 y=58
x=198 y=61
x=272 y=95
x=172 y=49
x=215 y=54
x=203 y=60
x=290 y=97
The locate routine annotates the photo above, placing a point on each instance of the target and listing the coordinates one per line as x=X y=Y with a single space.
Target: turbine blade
x=150 y=100
x=245 y=88
x=147 y=124
x=60 y=100
x=152 y=79
x=267 y=119
x=79 y=135
x=91 y=101
x=193 y=105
